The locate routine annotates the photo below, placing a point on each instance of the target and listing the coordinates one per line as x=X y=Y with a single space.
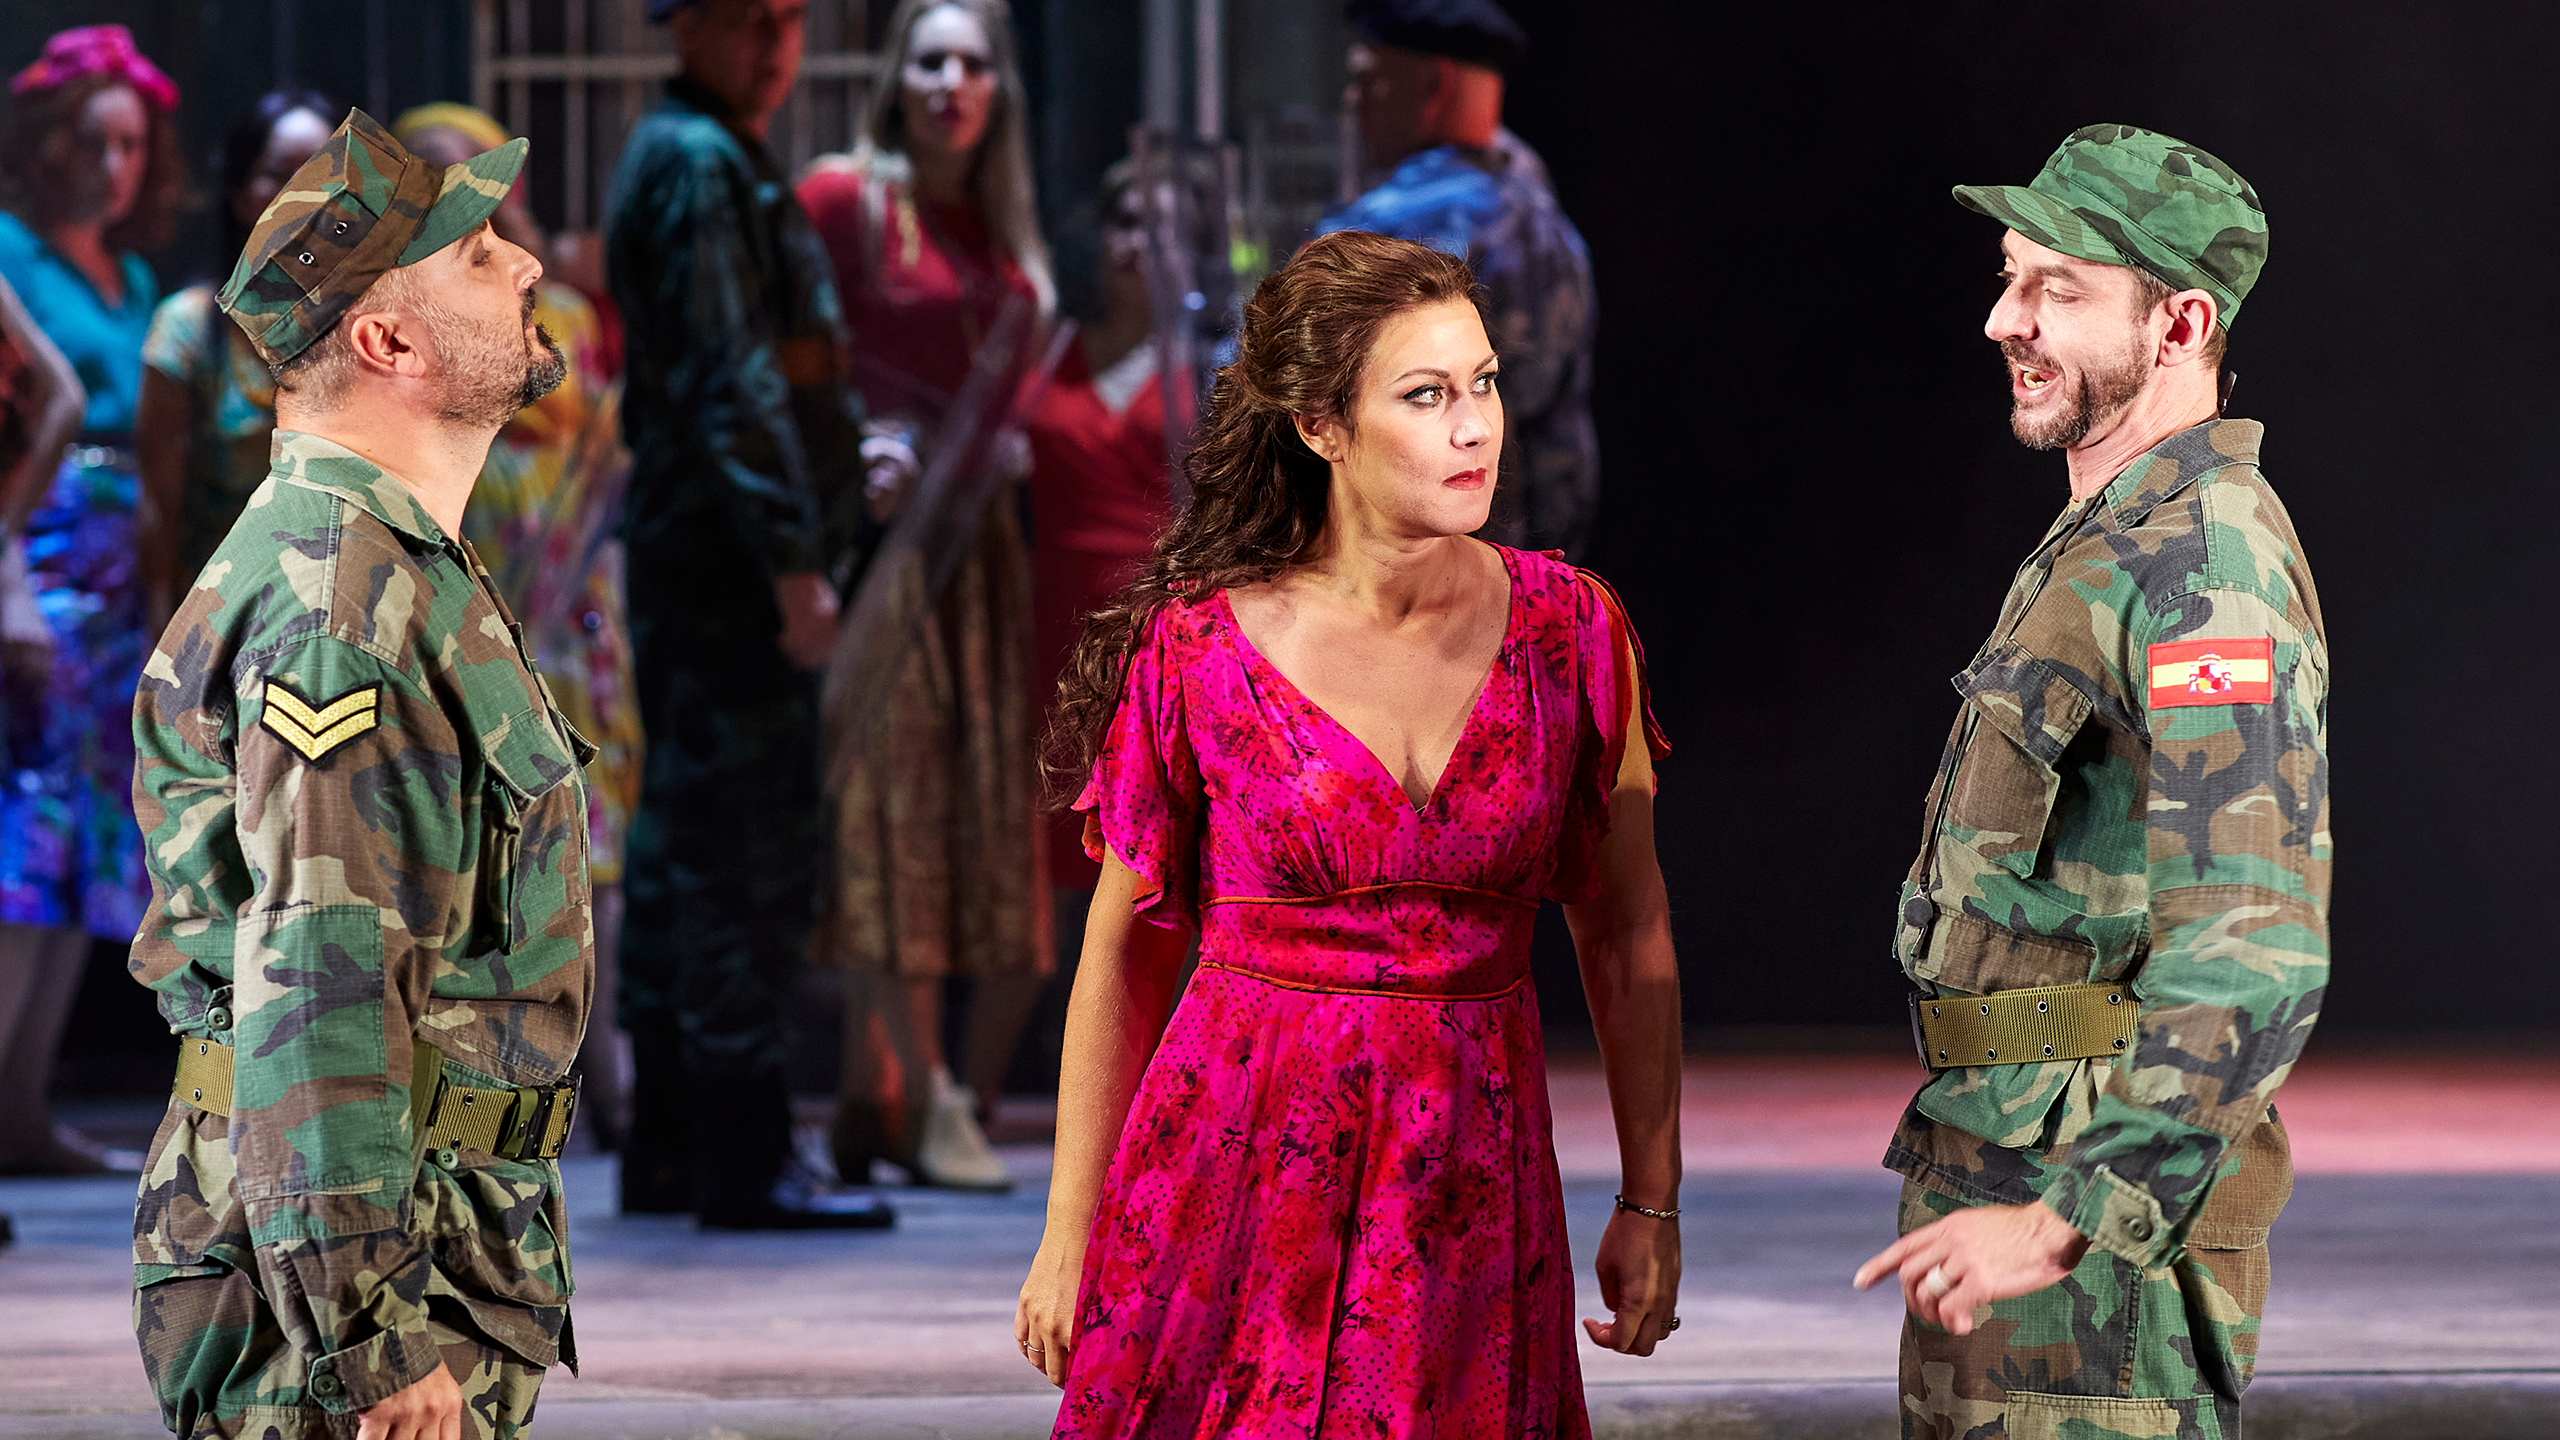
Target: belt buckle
x=1919 y=1037
x=538 y=1121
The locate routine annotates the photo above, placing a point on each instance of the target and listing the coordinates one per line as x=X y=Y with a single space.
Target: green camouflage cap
x=2119 y=195
x=362 y=207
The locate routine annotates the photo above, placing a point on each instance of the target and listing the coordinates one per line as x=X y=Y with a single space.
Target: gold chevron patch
x=315 y=730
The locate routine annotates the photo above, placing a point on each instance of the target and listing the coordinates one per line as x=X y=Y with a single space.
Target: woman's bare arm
x=57 y=418
x=1622 y=937
x=1124 y=992
x=161 y=428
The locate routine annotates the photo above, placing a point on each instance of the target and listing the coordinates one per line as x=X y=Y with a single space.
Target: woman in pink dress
x=1353 y=748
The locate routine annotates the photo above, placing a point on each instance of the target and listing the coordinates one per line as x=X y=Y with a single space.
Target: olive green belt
x=510 y=1122
x=2023 y=1027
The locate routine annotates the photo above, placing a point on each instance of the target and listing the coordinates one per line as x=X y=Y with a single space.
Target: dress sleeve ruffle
x=1144 y=800
x=1608 y=689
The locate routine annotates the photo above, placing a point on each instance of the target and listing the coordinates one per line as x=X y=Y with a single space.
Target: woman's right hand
x=1044 y=1320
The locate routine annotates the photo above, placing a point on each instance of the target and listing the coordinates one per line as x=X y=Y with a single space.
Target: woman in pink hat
x=91 y=175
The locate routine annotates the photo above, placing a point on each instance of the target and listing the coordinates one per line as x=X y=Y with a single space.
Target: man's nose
x=2010 y=318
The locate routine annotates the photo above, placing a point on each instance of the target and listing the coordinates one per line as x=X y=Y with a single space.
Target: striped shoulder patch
x=2213 y=672
x=315 y=730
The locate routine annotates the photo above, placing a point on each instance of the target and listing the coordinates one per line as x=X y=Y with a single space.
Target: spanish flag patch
x=2213 y=672
x=315 y=730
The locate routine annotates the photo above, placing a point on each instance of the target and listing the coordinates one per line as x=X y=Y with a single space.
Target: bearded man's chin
x=544 y=369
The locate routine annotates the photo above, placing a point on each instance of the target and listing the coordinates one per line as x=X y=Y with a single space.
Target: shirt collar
x=694 y=95
x=2174 y=464
x=307 y=460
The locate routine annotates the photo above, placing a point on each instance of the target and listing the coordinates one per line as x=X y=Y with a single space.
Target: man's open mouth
x=2033 y=378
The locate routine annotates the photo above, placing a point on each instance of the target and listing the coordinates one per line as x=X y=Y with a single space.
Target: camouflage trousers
x=223 y=1368
x=2115 y=1351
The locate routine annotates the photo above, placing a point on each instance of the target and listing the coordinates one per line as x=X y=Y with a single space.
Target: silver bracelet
x=1651 y=1214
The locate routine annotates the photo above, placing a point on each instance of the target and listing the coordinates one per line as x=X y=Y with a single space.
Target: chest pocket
x=533 y=828
x=2022 y=716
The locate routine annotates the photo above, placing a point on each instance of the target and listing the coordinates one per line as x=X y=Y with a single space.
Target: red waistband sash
x=1411 y=939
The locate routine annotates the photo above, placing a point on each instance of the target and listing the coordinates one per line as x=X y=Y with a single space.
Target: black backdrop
x=1813 y=503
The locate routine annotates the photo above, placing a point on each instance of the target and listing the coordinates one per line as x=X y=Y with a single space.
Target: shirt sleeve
x=352 y=822
x=2238 y=862
x=733 y=378
x=178 y=344
x=1144 y=801
x=1616 y=702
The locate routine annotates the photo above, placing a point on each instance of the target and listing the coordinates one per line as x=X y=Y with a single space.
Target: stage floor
x=2420 y=1242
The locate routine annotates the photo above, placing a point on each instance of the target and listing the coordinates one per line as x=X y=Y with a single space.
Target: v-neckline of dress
x=1475 y=708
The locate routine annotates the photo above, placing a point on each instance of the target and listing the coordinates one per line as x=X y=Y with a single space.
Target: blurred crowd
x=825 y=436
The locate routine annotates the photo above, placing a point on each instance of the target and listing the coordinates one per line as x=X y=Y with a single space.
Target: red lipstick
x=1466 y=479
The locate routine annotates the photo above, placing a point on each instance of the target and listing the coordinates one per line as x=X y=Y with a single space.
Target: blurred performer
x=92 y=166
x=1426 y=82
x=2118 y=922
x=40 y=408
x=542 y=520
x=353 y=1225
x=208 y=402
x=1099 y=492
x=932 y=225
x=745 y=499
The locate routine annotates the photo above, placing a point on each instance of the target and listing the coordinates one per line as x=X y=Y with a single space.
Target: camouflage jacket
x=2136 y=788
x=1495 y=209
x=365 y=829
x=736 y=408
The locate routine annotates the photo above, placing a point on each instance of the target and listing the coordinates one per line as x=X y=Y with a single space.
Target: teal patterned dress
x=69 y=852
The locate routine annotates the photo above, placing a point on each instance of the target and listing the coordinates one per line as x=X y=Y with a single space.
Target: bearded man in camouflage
x=2118 y=921
x=367 y=836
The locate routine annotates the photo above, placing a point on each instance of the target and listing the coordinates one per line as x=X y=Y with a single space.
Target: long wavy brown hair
x=1257 y=491
x=34 y=184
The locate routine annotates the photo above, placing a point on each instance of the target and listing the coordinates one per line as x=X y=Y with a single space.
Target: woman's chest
x=1292 y=791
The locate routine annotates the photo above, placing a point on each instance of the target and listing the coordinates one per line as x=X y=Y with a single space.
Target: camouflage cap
x=361 y=208
x=2120 y=195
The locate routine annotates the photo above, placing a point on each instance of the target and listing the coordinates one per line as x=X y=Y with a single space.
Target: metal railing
x=575 y=75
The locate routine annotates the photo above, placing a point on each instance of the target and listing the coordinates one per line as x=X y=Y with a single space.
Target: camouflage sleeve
x=350 y=819
x=2238 y=826
x=730 y=381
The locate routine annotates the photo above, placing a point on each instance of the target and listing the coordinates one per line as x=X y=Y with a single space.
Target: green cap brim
x=2043 y=219
x=471 y=194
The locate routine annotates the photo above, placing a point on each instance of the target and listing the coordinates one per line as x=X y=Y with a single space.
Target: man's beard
x=2100 y=394
x=490 y=371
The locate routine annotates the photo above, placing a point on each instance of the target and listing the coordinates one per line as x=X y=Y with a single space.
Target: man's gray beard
x=2104 y=392
x=492 y=373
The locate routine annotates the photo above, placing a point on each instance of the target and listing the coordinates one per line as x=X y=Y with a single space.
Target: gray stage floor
x=2436 y=1299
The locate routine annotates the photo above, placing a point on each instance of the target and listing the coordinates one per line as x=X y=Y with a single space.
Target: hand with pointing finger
x=1973 y=1257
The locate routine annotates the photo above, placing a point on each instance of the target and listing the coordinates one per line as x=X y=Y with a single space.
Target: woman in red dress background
x=1099 y=469
x=932 y=226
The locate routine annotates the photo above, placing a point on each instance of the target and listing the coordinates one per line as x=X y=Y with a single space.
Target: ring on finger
x=1671 y=1324
x=1935 y=1283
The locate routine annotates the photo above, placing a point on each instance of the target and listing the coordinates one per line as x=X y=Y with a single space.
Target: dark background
x=1812 y=502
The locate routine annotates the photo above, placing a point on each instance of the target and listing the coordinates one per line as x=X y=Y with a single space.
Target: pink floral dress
x=1334 y=1210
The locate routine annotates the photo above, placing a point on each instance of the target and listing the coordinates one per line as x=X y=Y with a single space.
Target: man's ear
x=1444 y=81
x=2192 y=314
x=383 y=341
